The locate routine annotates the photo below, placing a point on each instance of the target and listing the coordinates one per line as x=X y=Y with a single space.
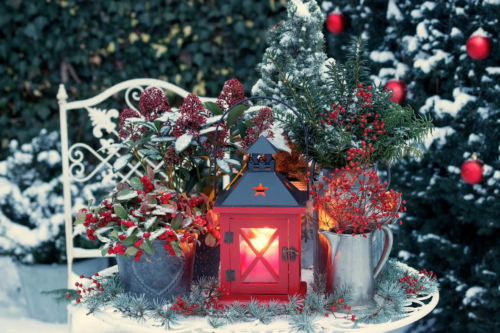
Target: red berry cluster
x=153 y=103
x=146 y=183
x=351 y=114
x=186 y=307
x=263 y=122
x=346 y=306
x=232 y=93
x=357 y=201
x=413 y=286
x=97 y=286
x=191 y=119
x=129 y=130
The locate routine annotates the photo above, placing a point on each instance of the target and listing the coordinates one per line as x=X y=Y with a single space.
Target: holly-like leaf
x=183 y=142
x=91 y=201
x=185 y=172
x=155 y=234
x=125 y=195
x=224 y=166
x=129 y=240
x=131 y=251
x=150 y=222
x=234 y=114
x=176 y=222
x=121 y=162
x=120 y=211
x=79 y=220
x=104 y=249
x=214 y=108
x=148 y=246
x=102 y=238
x=136 y=183
x=233 y=162
x=242 y=128
x=163 y=139
x=210 y=240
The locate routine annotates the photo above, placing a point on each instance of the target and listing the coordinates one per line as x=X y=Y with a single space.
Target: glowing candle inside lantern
x=262 y=266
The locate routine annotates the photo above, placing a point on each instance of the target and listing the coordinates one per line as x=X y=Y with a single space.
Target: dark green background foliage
x=89 y=45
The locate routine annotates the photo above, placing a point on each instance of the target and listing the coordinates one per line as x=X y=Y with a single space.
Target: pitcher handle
x=386 y=252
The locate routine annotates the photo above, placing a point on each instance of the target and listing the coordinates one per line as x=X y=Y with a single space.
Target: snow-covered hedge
x=31 y=201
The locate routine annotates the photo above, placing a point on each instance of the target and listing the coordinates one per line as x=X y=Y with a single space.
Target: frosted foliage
x=31 y=199
x=382 y=56
x=428 y=64
x=442 y=107
x=439 y=134
x=296 y=46
x=393 y=11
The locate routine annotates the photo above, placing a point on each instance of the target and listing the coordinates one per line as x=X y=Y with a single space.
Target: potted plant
x=356 y=204
x=153 y=230
x=32 y=223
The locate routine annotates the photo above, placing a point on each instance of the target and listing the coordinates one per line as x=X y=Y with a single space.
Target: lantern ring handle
x=249 y=99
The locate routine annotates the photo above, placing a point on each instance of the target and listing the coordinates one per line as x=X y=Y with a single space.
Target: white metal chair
x=104 y=124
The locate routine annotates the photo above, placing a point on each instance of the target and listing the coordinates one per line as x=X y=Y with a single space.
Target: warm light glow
x=264 y=268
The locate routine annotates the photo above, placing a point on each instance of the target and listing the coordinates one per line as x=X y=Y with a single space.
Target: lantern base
x=228 y=299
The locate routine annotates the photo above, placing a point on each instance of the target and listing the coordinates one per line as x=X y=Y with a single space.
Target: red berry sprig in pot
x=138 y=213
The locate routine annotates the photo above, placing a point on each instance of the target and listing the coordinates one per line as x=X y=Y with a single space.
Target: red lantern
x=479 y=47
x=472 y=170
x=260 y=218
x=399 y=90
x=336 y=23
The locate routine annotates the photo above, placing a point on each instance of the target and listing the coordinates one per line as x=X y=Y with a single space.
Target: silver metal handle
x=386 y=252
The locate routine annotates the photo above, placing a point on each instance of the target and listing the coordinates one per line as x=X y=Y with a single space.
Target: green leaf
x=121 y=162
x=126 y=256
x=114 y=235
x=234 y=114
x=176 y=222
x=185 y=172
x=79 y=220
x=214 y=108
x=102 y=238
x=224 y=166
x=120 y=211
x=183 y=142
x=136 y=183
x=249 y=123
x=242 y=128
x=125 y=195
x=148 y=246
x=131 y=251
x=129 y=240
x=104 y=250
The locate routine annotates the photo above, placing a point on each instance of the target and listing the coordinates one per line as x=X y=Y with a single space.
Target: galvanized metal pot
x=206 y=260
x=165 y=276
x=320 y=244
x=350 y=262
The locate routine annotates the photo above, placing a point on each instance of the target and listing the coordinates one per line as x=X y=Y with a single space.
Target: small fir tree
x=297 y=45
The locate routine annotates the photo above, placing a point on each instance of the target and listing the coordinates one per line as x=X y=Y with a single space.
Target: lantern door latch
x=228 y=237
x=292 y=253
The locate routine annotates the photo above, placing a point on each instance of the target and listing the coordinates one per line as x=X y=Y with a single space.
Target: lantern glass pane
x=259 y=252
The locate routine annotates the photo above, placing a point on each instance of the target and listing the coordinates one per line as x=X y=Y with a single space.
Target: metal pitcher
x=351 y=263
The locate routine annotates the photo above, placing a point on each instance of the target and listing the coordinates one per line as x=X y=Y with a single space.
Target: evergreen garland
x=395 y=286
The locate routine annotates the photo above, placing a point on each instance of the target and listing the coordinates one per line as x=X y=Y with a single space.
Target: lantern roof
x=262 y=146
x=262 y=189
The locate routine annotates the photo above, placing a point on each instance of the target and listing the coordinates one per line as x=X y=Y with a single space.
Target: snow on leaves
x=183 y=142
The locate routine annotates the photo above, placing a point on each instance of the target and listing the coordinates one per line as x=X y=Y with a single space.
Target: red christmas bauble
x=336 y=23
x=479 y=47
x=472 y=171
x=398 y=90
